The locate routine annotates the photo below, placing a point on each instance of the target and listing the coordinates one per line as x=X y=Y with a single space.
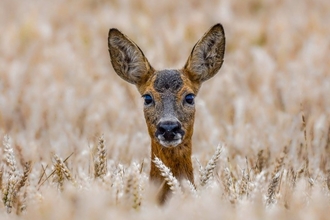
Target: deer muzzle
x=169 y=133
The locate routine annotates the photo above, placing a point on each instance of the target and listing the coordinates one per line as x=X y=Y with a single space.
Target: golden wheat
x=170 y=180
x=58 y=92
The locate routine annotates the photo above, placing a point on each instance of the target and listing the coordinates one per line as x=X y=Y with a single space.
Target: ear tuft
x=206 y=57
x=127 y=58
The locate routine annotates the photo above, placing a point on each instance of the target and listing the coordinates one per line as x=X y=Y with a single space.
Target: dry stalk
x=59 y=176
x=128 y=187
x=133 y=188
x=300 y=172
x=18 y=198
x=287 y=187
x=191 y=187
x=9 y=194
x=10 y=189
x=267 y=156
x=137 y=198
x=291 y=181
x=292 y=176
x=304 y=128
x=306 y=168
x=272 y=188
x=55 y=171
x=118 y=184
x=260 y=161
x=323 y=163
x=207 y=172
x=100 y=162
x=62 y=171
x=26 y=172
x=300 y=150
x=136 y=195
x=171 y=181
x=43 y=173
x=1 y=178
x=10 y=157
x=328 y=180
x=280 y=161
x=274 y=185
x=21 y=203
x=198 y=163
x=19 y=206
x=244 y=183
x=229 y=185
x=19 y=154
x=327 y=146
x=328 y=139
x=243 y=186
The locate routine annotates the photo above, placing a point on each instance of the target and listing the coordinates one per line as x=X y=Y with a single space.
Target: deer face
x=169 y=106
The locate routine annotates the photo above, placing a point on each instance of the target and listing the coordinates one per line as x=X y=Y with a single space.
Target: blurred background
x=59 y=93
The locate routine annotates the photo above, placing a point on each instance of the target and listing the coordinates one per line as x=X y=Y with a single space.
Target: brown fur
x=203 y=63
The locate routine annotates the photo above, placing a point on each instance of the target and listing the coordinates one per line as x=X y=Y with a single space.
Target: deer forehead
x=170 y=81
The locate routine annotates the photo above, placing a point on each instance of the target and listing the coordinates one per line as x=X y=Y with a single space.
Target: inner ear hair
x=206 y=57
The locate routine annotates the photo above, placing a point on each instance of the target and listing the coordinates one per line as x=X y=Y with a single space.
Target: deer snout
x=169 y=133
x=168 y=129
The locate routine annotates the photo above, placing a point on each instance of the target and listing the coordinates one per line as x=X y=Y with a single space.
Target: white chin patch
x=177 y=140
x=170 y=143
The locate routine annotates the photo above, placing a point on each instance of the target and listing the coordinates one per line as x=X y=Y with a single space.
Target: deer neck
x=178 y=159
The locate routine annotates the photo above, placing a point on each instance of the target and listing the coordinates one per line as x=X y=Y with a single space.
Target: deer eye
x=147 y=99
x=190 y=99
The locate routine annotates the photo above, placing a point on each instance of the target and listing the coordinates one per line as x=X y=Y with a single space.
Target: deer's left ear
x=207 y=55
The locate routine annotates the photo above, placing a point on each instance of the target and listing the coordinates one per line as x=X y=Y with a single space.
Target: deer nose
x=168 y=129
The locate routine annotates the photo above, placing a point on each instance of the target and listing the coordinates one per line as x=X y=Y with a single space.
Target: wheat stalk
x=244 y=182
x=9 y=194
x=260 y=161
x=1 y=178
x=100 y=162
x=327 y=146
x=9 y=156
x=133 y=188
x=229 y=185
x=271 y=192
x=304 y=125
x=280 y=161
x=21 y=203
x=11 y=189
x=207 y=172
x=62 y=170
x=117 y=182
x=171 y=181
x=17 y=198
x=26 y=172
x=191 y=187
x=276 y=178
x=137 y=199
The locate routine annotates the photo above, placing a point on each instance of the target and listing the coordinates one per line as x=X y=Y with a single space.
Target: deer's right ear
x=127 y=58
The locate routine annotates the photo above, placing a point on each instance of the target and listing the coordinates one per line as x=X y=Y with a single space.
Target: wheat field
x=74 y=143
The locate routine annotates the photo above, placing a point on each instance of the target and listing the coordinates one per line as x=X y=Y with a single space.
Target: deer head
x=168 y=94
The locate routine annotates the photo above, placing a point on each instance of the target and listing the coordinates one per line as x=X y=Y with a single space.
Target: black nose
x=168 y=129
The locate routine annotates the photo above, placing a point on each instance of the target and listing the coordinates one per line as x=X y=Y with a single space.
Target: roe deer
x=169 y=94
